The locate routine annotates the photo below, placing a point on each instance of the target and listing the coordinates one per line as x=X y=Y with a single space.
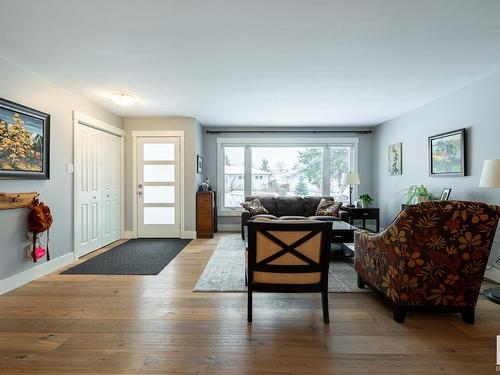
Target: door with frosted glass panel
x=158 y=187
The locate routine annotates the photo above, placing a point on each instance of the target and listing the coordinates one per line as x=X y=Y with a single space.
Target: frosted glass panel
x=159 y=173
x=159 y=151
x=159 y=194
x=159 y=215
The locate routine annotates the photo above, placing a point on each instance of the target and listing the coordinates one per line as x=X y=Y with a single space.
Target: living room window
x=283 y=167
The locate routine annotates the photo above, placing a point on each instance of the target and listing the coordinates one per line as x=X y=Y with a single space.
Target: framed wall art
x=447 y=154
x=199 y=164
x=24 y=142
x=395 y=159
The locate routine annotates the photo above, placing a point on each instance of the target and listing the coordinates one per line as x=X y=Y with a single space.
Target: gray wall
x=210 y=151
x=477 y=108
x=193 y=146
x=27 y=88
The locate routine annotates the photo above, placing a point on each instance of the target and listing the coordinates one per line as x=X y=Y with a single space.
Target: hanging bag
x=39 y=220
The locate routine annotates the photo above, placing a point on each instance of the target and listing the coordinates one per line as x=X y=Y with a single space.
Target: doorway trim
x=83 y=119
x=157 y=133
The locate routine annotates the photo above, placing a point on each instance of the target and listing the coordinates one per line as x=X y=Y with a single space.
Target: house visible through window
x=287 y=168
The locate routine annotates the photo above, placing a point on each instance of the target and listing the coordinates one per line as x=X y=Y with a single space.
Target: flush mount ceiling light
x=124 y=100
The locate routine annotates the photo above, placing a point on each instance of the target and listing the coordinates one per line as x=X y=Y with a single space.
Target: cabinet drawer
x=363 y=215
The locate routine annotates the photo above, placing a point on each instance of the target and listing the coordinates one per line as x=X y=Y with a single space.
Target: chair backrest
x=445 y=243
x=289 y=253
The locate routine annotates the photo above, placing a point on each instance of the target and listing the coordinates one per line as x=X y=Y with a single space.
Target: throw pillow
x=328 y=207
x=255 y=207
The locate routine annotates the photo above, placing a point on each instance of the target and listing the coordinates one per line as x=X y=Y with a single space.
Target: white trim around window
x=247 y=143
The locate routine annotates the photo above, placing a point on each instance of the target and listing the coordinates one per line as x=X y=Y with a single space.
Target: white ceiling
x=257 y=62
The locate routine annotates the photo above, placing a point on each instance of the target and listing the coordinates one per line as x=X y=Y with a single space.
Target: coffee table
x=343 y=233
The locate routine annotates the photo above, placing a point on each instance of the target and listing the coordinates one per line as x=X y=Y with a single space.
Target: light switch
x=70 y=168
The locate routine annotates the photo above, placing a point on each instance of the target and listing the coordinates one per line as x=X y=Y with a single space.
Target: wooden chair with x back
x=289 y=257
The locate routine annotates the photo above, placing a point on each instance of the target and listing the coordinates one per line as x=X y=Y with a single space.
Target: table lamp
x=350 y=179
x=490 y=177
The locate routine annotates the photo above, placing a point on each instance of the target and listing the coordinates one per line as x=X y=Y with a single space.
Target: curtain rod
x=288 y=131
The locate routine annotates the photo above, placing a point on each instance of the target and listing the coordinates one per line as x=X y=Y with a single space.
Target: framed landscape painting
x=447 y=154
x=24 y=142
x=395 y=159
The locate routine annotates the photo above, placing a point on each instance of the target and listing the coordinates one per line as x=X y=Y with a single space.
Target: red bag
x=39 y=220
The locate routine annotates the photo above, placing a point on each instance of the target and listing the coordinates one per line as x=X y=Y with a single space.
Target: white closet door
x=97 y=178
x=110 y=188
x=88 y=181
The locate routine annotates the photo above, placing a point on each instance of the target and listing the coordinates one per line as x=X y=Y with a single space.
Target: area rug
x=145 y=256
x=225 y=271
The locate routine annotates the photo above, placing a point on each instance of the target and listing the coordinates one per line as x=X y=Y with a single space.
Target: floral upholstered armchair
x=432 y=256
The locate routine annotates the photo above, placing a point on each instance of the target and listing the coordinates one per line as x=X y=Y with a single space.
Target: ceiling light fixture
x=124 y=100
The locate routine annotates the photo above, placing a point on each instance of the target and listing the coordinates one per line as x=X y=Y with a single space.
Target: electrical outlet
x=70 y=168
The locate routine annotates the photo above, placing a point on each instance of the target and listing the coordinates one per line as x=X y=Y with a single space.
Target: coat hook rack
x=10 y=201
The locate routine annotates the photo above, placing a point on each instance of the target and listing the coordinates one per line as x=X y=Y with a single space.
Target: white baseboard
x=128 y=234
x=34 y=273
x=493 y=275
x=188 y=234
x=229 y=227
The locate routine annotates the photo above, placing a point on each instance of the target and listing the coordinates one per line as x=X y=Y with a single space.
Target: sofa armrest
x=245 y=216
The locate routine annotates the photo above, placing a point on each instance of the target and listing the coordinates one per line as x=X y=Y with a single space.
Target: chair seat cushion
x=324 y=218
x=292 y=217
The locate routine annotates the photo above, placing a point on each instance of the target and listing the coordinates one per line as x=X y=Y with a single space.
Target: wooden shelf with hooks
x=10 y=201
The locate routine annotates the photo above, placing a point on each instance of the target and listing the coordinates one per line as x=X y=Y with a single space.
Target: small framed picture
x=445 y=195
x=447 y=155
x=199 y=164
x=395 y=159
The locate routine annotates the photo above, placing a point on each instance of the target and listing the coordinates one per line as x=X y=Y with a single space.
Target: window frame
x=248 y=143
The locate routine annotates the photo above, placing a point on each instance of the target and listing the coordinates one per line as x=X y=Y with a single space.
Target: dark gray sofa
x=289 y=208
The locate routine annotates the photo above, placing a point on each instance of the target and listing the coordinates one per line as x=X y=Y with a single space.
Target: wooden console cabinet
x=206 y=214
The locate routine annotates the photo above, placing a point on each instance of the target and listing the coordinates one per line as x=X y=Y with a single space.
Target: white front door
x=158 y=189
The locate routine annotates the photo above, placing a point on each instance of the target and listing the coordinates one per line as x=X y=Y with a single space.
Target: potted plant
x=418 y=193
x=365 y=200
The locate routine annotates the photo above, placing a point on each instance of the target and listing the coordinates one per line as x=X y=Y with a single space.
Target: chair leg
x=249 y=306
x=324 y=304
x=468 y=315
x=399 y=313
x=361 y=283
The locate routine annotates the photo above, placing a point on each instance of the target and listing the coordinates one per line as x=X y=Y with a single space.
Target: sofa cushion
x=264 y=216
x=254 y=206
x=311 y=205
x=328 y=207
x=292 y=217
x=269 y=202
x=290 y=206
x=324 y=218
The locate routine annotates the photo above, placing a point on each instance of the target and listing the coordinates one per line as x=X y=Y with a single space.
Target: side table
x=364 y=214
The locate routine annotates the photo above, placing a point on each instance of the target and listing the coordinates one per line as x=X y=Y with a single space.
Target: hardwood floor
x=82 y=324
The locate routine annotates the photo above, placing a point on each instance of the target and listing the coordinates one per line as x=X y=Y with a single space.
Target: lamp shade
x=349 y=179
x=490 y=175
